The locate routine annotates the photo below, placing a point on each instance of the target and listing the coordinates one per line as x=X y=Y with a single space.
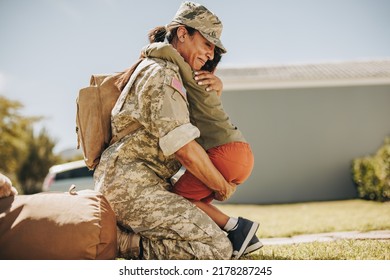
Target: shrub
x=372 y=174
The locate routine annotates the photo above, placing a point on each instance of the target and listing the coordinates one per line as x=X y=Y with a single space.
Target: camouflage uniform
x=133 y=173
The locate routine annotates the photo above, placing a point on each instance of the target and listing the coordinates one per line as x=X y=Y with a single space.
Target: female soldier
x=223 y=142
x=133 y=173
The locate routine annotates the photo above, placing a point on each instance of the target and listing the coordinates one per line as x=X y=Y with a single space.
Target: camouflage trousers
x=170 y=226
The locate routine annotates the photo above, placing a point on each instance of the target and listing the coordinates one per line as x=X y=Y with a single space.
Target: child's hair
x=210 y=65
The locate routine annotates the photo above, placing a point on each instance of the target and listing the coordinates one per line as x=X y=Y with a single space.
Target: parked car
x=62 y=176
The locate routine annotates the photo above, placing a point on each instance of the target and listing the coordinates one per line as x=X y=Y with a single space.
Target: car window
x=74 y=173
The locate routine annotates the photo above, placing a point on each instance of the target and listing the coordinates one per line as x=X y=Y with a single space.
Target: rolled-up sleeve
x=178 y=138
x=172 y=121
x=157 y=101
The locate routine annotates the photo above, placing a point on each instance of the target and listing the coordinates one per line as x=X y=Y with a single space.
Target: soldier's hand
x=211 y=81
x=226 y=193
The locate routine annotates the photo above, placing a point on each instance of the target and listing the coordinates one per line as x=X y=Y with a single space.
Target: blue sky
x=49 y=49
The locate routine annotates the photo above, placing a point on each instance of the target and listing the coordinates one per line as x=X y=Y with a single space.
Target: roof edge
x=346 y=73
x=249 y=85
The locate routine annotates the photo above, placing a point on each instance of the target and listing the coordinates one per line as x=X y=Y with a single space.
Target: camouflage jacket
x=158 y=102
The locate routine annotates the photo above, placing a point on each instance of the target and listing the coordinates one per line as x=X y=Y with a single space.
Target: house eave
x=330 y=74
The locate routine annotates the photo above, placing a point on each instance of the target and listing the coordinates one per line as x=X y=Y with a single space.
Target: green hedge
x=372 y=174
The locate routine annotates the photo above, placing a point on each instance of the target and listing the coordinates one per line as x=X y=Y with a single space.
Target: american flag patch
x=176 y=84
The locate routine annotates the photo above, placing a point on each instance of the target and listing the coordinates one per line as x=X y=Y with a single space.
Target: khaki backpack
x=93 y=119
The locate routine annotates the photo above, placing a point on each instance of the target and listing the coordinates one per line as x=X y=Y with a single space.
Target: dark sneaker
x=253 y=245
x=242 y=236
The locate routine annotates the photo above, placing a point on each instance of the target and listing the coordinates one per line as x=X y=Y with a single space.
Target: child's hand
x=210 y=80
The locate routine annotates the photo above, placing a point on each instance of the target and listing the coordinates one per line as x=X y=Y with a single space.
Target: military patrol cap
x=199 y=17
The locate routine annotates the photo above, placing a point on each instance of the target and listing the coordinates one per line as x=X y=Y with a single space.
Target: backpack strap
x=122 y=97
x=121 y=100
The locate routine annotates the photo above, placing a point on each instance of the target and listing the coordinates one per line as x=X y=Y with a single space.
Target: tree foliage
x=13 y=127
x=39 y=158
x=23 y=157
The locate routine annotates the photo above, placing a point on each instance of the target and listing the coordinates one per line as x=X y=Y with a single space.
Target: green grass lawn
x=287 y=220
x=337 y=250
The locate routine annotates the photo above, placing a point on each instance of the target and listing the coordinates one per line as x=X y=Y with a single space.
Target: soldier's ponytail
x=160 y=33
x=157 y=34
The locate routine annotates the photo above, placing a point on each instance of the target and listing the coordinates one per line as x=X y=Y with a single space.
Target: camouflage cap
x=199 y=17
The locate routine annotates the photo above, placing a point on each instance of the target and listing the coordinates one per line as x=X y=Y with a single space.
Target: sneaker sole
x=253 y=248
x=248 y=238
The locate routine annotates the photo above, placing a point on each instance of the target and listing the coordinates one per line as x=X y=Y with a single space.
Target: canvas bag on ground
x=93 y=119
x=57 y=226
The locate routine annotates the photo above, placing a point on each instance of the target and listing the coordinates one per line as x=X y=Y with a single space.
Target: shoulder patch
x=176 y=84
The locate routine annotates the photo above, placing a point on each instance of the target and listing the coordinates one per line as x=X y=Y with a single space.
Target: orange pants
x=235 y=162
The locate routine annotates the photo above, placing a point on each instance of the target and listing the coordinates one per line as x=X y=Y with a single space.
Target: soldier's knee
x=223 y=247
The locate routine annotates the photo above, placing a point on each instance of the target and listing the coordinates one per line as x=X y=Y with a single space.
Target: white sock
x=231 y=224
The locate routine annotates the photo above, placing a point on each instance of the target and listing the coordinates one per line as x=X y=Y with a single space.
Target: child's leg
x=241 y=232
x=196 y=192
x=234 y=161
x=213 y=212
x=192 y=188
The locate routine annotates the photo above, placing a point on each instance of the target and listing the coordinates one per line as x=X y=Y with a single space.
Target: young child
x=224 y=143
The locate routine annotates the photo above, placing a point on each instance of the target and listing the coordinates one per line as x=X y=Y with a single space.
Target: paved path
x=330 y=236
